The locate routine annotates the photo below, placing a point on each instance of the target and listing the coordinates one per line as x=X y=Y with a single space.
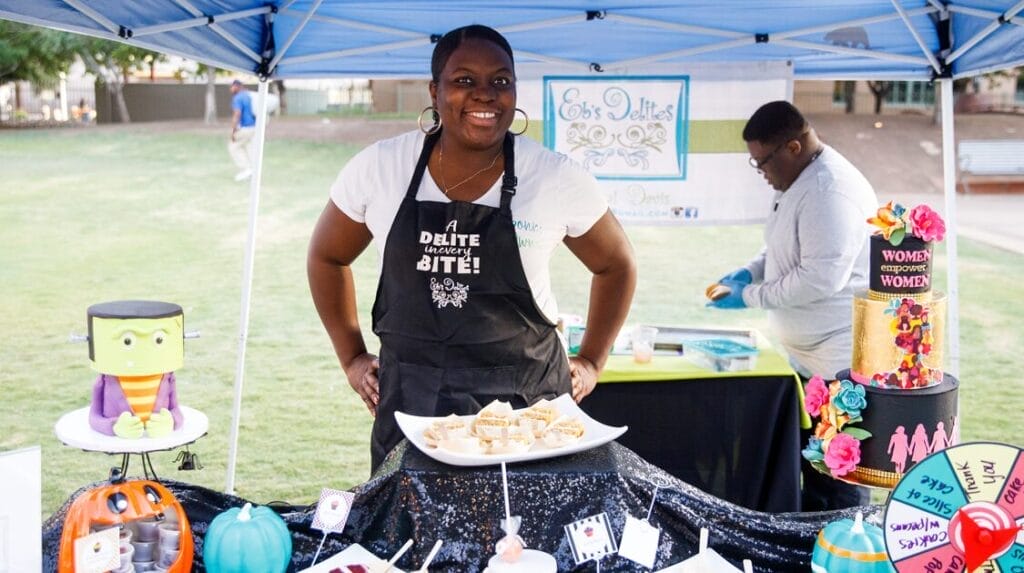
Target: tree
x=849 y=95
x=111 y=62
x=210 y=105
x=282 y=100
x=879 y=90
x=32 y=54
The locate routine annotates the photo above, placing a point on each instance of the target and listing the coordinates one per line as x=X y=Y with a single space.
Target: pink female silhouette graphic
x=940 y=440
x=898 y=449
x=919 y=447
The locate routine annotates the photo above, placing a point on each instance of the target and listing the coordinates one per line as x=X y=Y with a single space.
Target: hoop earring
x=434 y=115
x=526 y=118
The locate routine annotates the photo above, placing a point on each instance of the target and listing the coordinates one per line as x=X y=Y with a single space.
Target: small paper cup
x=144 y=551
x=170 y=536
x=147 y=529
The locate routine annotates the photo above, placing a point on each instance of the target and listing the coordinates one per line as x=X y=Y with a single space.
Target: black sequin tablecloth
x=413 y=496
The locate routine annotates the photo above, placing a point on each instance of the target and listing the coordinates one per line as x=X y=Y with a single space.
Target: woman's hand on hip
x=362 y=376
x=583 y=374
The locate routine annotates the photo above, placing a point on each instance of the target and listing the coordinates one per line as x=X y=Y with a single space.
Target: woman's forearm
x=333 y=291
x=611 y=292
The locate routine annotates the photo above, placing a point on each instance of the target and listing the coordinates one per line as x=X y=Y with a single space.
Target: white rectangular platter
x=595 y=434
x=354 y=554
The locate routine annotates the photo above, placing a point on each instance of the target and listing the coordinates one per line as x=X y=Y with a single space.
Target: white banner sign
x=619 y=127
x=666 y=148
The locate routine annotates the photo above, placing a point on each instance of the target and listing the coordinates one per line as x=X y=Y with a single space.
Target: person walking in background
x=243 y=128
x=815 y=256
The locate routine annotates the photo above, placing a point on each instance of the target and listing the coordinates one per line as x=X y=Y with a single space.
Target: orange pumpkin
x=122 y=502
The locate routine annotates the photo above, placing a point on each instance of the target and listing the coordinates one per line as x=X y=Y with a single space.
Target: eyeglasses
x=759 y=165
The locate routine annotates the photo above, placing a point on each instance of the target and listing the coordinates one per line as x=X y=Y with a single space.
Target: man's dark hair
x=453 y=39
x=774 y=123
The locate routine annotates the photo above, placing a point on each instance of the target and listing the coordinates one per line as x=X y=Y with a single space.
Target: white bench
x=992 y=165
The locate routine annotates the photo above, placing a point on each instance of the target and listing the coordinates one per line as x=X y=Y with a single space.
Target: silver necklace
x=440 y=166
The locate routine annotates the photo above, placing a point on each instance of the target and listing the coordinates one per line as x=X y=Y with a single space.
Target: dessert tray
x=547 y=441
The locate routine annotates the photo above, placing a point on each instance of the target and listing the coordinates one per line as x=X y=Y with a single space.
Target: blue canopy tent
x=822 y=39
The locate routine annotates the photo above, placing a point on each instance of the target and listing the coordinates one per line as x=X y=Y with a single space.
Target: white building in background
x=1004 y=93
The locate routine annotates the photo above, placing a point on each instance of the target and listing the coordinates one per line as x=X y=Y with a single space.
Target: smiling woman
x=470 y=318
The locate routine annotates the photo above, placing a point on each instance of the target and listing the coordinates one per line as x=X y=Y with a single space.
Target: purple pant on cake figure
x=109 y=402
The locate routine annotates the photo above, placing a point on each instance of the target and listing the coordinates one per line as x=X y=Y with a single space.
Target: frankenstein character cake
x=135 y=346
x=894 y=406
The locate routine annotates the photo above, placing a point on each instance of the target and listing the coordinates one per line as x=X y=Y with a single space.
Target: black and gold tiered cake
x=896 y=404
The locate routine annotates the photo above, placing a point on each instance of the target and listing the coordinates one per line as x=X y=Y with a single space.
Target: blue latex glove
x=733 y=300
x=741 y=276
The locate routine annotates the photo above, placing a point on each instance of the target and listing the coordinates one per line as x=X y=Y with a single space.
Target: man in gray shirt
x=815 y=257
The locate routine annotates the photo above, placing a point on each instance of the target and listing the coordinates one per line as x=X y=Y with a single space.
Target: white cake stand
x=73 y=430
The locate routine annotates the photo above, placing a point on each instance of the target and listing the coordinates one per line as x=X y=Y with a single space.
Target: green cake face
x=136 y=340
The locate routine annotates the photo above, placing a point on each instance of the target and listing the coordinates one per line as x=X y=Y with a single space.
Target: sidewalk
x=903 y=161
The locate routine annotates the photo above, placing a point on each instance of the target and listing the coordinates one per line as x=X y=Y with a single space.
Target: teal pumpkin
x=851 y=546
x=247 y=540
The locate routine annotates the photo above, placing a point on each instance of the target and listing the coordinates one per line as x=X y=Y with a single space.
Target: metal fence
x=61 y=100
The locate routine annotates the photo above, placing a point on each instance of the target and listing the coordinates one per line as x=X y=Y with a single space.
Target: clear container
x=721 y=355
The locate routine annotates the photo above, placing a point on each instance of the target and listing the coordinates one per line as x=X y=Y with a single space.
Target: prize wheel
x=959 y=510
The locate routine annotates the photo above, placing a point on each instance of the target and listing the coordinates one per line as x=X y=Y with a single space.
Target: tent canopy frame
x=242 y=39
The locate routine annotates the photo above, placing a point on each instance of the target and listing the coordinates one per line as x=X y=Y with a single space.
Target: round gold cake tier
x=921 y=297
x=874 y=340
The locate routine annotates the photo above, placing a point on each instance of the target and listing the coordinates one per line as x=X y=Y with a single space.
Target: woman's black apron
x=457 y=321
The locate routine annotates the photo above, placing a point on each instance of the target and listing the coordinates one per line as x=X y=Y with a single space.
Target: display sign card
x=332 y=510
x=590 y=538
x=639 y=541
x=20 y=523
x=98 y=552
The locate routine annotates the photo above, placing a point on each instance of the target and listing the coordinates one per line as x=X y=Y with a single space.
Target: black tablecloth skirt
x=736 y=438
x=413 y=496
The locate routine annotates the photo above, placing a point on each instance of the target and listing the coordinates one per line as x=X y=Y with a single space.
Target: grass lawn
x=91 y=215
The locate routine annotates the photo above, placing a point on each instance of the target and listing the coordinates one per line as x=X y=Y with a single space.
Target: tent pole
x=250 y=253
x=949 y=184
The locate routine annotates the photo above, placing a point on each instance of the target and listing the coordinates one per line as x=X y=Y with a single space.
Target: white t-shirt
x=555 y=197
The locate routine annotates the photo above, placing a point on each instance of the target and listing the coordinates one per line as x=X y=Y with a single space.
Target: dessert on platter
x=499 y=433
x=894 y=406
x=498 y=429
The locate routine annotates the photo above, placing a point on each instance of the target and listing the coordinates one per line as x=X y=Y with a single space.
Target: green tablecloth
x=620 y=368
